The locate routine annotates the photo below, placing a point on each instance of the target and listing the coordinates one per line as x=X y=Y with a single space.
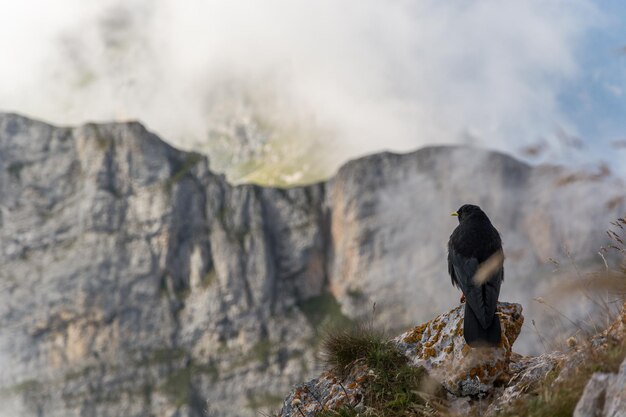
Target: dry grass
x=558 y=394
x=601 y=286
x=558 y=397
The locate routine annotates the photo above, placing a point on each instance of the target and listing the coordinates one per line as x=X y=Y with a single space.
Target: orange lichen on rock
x=428 y=352
x=476 y=372
x=466 y=349
x=439 y=346
x=415 y=335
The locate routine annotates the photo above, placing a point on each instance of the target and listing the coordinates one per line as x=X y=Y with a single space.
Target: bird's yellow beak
x=455 y=214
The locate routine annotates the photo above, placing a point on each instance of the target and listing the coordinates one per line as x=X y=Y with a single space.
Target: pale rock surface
x=615 y=400
x=440 y=348
x=592 y=402
x=328 y=392
x=526 y=373
x=604 y=395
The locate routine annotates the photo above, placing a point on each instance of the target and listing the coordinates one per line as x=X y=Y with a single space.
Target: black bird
x=475 y=264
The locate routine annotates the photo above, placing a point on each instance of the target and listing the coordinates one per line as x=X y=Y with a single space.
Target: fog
x=342 y=77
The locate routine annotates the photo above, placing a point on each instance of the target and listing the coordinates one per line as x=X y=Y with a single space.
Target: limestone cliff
x=135 y=281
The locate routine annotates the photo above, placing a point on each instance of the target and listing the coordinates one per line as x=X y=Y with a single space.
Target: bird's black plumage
x=475 y=266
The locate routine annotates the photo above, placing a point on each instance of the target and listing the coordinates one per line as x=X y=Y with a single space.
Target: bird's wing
x=483 y=299
x=453 y=277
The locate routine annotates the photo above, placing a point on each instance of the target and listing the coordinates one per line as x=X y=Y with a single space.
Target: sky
x=542 y=80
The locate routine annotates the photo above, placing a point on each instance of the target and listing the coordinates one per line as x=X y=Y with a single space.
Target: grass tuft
x=395 y=389
x=340 y=348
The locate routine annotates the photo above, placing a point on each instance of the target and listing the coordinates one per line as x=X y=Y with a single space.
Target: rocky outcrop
x=484 y=381
x=135 y=281
x=525 y=374
x=594 y=397
x=437 y=346
x=440 y=348
x=329 y=392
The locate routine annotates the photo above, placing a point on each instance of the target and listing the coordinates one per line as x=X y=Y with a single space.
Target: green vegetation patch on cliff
x=162 y=355
x=179 y=384
x=324 y=311
x=184 y=168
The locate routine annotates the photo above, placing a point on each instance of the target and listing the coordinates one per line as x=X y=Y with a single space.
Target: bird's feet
x=462 y=298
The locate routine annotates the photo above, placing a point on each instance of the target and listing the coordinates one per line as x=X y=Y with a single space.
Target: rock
x=591 y=403
x=526 y=373
x=604 y=395
x=328 y=392
x=615 y=403
x=440 y=348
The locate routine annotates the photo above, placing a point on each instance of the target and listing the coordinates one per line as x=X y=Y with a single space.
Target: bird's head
x=468 y=211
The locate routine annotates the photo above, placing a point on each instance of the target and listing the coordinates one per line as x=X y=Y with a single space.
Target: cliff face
x=136 y=282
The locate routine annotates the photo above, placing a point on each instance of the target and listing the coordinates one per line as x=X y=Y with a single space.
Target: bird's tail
x=475 y=335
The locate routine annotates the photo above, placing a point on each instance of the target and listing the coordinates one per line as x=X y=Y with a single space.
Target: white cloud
x=376 y=74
